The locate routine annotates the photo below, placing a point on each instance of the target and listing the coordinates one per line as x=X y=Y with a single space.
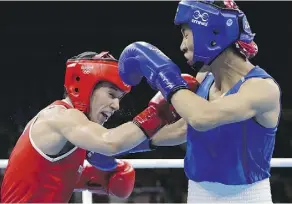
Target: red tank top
x=31 y=176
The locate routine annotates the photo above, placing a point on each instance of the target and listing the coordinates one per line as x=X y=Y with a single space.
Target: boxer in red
x=46 y=164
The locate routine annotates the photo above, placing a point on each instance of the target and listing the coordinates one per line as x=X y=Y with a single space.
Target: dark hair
x=85 y=55
x=223 y=4
x=219 y=4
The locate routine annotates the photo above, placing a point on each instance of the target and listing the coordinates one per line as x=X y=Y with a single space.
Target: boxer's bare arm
x=74 y=126
x=171 y=135
x=259 y=98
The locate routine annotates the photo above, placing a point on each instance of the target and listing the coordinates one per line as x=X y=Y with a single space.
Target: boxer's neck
x=228 y=69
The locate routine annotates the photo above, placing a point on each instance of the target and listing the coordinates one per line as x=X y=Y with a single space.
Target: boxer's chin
x=191 y=62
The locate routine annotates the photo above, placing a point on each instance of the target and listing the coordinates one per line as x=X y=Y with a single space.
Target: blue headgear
x=214 y=28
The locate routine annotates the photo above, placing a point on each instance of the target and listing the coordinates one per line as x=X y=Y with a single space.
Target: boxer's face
x=187 y=45
x=104 y=102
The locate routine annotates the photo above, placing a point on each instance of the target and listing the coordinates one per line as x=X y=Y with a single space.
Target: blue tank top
x=232 y=154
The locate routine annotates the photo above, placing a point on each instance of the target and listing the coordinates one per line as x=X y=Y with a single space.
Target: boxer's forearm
x=171 y=135
x=93 y=137
x=124 y=137
x=198 y=112
x=77 y=129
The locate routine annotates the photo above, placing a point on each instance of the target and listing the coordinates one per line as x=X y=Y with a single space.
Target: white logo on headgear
x=86 y=68
x=200 y=18
x=229 y=22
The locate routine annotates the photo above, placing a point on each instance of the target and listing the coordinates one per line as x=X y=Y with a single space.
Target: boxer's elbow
x=109 y=148
x=199 y=125
x=113 y=149
x=110 y=151
x=203 y=122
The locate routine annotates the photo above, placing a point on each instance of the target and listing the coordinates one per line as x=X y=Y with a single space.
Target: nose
x=183 y=47
x=115 y=104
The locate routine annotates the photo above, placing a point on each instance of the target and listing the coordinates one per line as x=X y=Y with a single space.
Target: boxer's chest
x=214 y=93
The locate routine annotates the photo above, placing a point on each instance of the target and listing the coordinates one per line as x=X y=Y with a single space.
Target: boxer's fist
x=118 y=182
x=160 y=112
x=122 y=181
x=93 y=180
x=155 y=116
x=143 y=59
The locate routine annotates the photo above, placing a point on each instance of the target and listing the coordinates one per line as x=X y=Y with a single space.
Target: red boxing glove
x=192 y=82
x=119 y=182
x=159 y=112
x=155 y=116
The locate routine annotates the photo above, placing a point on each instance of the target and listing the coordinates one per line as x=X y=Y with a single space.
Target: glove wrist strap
x=169 y=83
x=149 y=121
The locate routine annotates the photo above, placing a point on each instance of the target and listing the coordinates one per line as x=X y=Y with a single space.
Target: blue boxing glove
x=107 y=163
x=143 y=59
x=102 y=162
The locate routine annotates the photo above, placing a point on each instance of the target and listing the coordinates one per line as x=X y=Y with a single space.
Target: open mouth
x=105 y=115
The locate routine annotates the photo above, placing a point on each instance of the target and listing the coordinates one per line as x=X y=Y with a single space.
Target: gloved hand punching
x=107 y=176
x=159 y=112
x=143 y=59
x=155 y=116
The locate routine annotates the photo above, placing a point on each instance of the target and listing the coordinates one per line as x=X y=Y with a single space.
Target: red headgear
x=84 y=71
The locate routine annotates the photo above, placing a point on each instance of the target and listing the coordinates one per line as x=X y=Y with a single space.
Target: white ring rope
x=161 y=163
x=172 y=163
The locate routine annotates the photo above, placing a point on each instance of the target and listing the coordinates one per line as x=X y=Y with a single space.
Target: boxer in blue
x=230 y=121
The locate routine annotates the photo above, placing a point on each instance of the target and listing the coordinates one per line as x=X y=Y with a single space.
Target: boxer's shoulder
x=264 y=85
x=43 y=134
x=49 y=123
x=264 y=96
x=46 y=114
x=60 y=113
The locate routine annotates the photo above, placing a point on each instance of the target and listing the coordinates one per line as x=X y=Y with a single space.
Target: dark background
x=36 y=39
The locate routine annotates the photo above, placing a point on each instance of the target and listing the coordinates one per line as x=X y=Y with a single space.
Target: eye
x=112 y=95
